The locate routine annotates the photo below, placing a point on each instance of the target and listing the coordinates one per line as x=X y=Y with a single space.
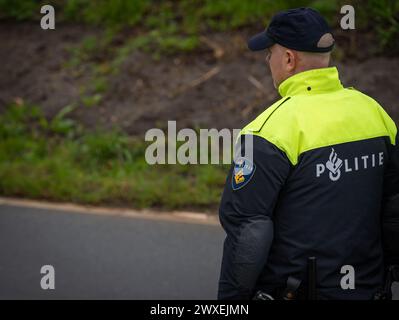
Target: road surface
x=107 y=256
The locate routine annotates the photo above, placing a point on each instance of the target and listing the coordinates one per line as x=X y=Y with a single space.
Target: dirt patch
x=209 y=89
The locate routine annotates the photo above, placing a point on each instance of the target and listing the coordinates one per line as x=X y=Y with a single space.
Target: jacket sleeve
x=390 y=209
x=246 y=215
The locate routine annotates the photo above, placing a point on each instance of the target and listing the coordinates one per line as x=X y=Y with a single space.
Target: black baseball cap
x=302 y=29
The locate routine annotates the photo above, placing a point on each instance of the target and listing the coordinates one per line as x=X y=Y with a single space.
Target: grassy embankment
x=58 y=159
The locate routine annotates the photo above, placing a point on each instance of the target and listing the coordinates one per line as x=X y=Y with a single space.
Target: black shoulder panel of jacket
x=390 y=217
x=246 y=213
x=392 y=172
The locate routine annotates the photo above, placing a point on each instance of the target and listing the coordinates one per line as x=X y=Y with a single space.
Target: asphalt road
x=106 y=257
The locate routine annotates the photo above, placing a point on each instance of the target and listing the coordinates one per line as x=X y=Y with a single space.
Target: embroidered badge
x=244 y=169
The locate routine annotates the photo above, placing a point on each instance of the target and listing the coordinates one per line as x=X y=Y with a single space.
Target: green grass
x=57 y=160
x=170 y=27
x=188 y=19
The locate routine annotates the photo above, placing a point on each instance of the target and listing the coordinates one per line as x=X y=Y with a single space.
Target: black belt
x=294 y=290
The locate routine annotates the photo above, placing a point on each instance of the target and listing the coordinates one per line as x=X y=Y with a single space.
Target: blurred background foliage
x=58 y=159
x=176 y=25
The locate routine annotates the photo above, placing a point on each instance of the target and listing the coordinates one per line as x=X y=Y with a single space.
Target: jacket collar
x=311 y=82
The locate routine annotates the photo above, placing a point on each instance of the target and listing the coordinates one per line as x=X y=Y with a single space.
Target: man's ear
x=290 y=60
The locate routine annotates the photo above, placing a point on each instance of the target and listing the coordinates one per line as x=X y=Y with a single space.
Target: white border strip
x=177 y=216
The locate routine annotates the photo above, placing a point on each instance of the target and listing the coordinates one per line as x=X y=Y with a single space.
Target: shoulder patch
x=244 y=170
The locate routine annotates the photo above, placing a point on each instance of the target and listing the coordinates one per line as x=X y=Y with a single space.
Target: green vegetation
x=177 y=24
x=59 y=160
x=386 y=19
x=170 y=27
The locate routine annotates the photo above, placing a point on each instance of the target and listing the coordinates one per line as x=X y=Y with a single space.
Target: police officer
x=314 y=184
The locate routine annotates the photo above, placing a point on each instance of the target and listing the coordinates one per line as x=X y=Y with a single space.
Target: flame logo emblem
x=334 y=165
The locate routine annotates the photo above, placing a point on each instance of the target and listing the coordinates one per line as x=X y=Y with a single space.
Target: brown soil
x=210 y=88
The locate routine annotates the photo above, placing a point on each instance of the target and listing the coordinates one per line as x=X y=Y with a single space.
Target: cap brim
x=261 y=41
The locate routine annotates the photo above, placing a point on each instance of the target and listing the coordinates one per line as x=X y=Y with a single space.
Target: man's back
x=336 y=142
x=324 y=160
